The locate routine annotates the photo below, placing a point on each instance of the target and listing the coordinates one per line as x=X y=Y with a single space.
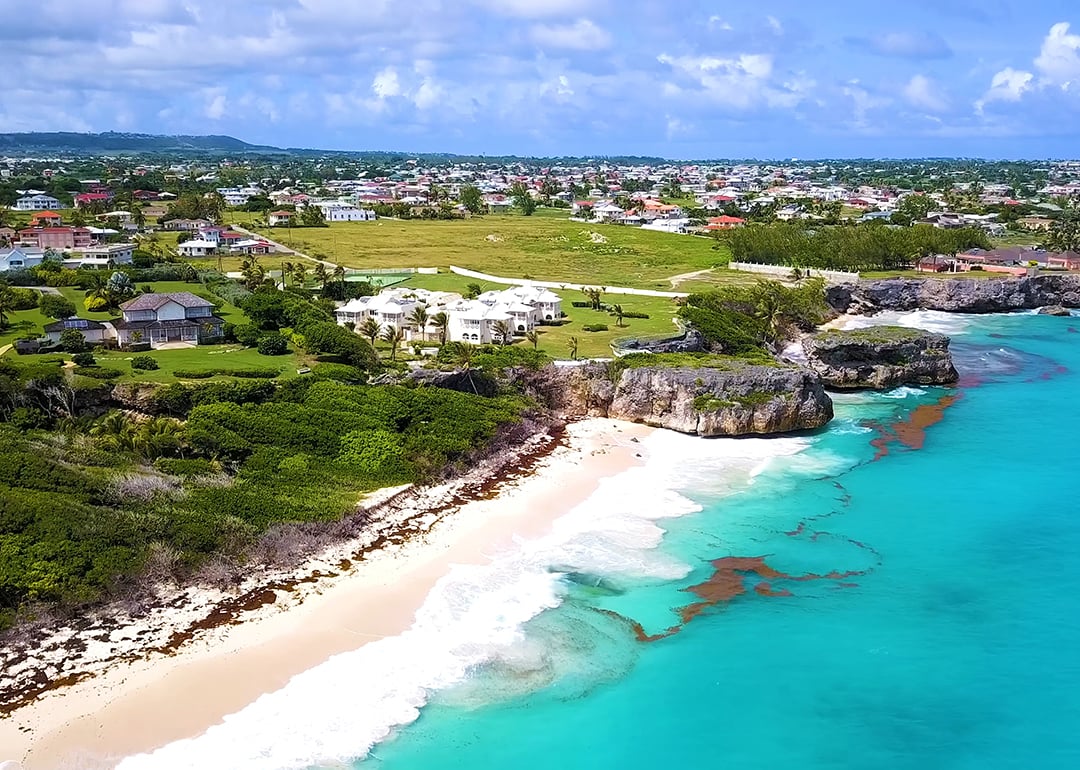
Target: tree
x=312 y=216
x=1064 y=234
x=371 y=329
x=287 y=269
x=572 y=343
x=419 y=318
x=619 y=314
x=272 y=344
x=299 y=275
x=441 y=321
x=339 y=273
x=472 y=199
x=533 y=337
x=7 y=302
x=328 y=337
x=56 y=306
x=473 y=290
x=321 y=275
x=503 y=332
x=523 y=199
x=72 y=341
x=253 y=272
x=393 y=336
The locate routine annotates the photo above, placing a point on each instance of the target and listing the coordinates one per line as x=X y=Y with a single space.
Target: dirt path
x=675 y=280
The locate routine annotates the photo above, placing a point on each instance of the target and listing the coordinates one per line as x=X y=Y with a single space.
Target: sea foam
x=475 y=617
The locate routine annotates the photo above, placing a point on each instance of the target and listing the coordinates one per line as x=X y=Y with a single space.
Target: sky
x=693 y=79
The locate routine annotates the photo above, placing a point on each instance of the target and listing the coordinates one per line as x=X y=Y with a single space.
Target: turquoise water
x=897 y=591
x=957 y=649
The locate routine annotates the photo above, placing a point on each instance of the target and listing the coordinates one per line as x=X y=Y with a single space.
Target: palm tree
x=159 y=436
x=321 y=275
x=371 y=329
x=299 y=275
x=533 y=337
x=419 y=318
x=463 y=359
x=287 y=269
x=619 y=316
x=504 y=332
x=441 y=321
x=572 y=343
x=393 y=337
x=339 y=273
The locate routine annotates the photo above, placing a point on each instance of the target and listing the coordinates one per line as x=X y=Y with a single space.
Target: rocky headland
x=955 y=295
x=879 y=357
x=703 y=396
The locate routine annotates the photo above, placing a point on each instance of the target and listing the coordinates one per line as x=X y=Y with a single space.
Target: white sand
x=131 y=708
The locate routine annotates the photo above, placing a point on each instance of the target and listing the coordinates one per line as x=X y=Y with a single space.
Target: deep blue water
x=919 y=606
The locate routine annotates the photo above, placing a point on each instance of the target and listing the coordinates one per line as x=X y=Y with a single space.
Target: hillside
x=112 y=141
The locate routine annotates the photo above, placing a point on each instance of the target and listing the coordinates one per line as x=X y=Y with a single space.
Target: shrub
x=634 y=314
x=23 y=299
x=339 y=372
x=144 y=363
x=55 y=306
x=273 y=344
x=177 y=467
x=594 y=328
x=83 y=359
x=186 y=374
x=72 y=341
x=247 y=335
x=100 y=372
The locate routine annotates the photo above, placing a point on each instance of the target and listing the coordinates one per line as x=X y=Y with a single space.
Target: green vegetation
x=696 y=361
x=870 y=246
x=750 y=320
x=872 y=334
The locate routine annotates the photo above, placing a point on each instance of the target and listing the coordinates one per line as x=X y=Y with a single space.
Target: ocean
x=899 y=590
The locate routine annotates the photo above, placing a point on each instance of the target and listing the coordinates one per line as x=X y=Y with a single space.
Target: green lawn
x=226 y=311
x=543 y=247
x=200 y=358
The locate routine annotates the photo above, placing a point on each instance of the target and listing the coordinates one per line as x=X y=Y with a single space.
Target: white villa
x=342 y=211
x=520 y=308
x=37 y=202
x=167 y=318
x=199 y=247
x=19 y=257
x=106 y=255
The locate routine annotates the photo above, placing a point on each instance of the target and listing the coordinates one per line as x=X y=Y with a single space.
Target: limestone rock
x=956 y=295
x=880 y=357
x=1055 y=310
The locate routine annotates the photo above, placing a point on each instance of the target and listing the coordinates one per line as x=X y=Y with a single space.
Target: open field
x=541 y=247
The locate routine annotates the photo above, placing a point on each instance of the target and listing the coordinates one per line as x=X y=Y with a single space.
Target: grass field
x=200 y=359
x=546 y=247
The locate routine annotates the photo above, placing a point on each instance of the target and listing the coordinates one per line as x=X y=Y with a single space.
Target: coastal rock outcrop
x=1055 y=310
x=956 y=295
x=880 y=357
x=726 y=398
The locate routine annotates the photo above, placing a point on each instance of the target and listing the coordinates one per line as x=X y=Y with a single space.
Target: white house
x=19 y=258
x=282 y=217
x=196 y=248
x=107 y=255
x=340 y=211
x=37 y=202
x=250 y=246
x=165 y=318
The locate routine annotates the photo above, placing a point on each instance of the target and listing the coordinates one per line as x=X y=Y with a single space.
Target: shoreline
x=135 y=704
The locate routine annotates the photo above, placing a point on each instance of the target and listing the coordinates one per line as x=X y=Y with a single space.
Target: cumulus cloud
x=532 y=9
x=1059 y=61
x=904 y=45
x=582 y=35
x=741 y=82
x=1008 y=85
x=386 y=83
x=923 y=93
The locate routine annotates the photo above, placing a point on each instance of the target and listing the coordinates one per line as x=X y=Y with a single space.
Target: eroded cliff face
x=880 y=357
x=956 y=295
x=738 y=401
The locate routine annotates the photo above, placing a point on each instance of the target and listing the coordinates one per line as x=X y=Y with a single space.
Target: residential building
x=724 y=222
x=46 y=219
x=85 y=199
x=250 y=246
x=340 y=211
x=19 y=258
x=94 y=332
x=160 y=319
x=36 y=202
x=61 y=238
x=278 y=218
x=185 y=224
x=196 y=248
x=107 y=255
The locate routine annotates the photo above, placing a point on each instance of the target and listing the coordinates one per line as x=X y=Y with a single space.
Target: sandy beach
x=137 y=704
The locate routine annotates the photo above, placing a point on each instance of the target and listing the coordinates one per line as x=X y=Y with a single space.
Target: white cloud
x=386 y=83
x=1058 y=60
x=716 y=22
x=533 y=9
x=1007 y=86
x=741 y=82
x=427 y=95
x=582 y=35
x=217 y=104
x=775 y=25
x=924 y=93
x=863 y=102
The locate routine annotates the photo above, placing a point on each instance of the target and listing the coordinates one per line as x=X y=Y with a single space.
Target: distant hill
x=112 y=141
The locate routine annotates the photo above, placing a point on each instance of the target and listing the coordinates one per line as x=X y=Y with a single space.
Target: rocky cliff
x=956 y=295
x=727 y=398
x=880 y=357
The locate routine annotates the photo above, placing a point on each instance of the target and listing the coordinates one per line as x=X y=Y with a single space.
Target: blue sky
x=695 y=79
